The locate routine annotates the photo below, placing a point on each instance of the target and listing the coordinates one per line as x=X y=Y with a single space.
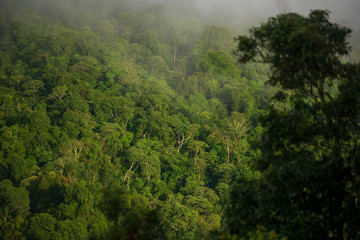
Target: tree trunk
x=174 y=55
x=228 y=154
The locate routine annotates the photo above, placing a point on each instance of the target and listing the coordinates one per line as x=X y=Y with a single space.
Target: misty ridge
x=237 y=16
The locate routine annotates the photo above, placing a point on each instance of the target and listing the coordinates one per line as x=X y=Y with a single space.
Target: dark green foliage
x=94 y=96
x=309 y=182
x=303 y=52
x=131 y=216
x=14 y=210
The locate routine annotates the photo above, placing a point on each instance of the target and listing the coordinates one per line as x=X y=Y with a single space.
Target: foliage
x=119 y=122
x=309 y=162
x=132 y=217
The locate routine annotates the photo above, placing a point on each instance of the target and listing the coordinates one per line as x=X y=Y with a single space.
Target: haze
x=240 y=15
x=237 y=15
x=237 y=12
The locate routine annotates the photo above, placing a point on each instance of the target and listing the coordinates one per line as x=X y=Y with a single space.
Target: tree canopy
x=123 y=120
x=119 y=121
x=309 y=164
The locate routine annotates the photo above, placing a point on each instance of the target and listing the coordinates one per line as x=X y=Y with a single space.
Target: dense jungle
x=123 y=120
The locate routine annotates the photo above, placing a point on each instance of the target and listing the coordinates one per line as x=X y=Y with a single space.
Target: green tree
x=157 y=66
x=115 y=139
x=183 y=131
x=32 y=87
x=13 y=156
x=125 y=23
x=131 y=216
x=14 y=210
x=43 y=226
x=149 y=40
x=145 y=153
x=180 y=221
x=58 y=93
x=17 y=73
x=309 y=182
x=233 y=135
x=215 y=39
x=197 y=148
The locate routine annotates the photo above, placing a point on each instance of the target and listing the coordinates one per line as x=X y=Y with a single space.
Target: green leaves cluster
x=309 y=183
x=119 y=125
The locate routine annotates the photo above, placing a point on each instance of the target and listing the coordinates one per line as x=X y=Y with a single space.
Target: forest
x=123 y=120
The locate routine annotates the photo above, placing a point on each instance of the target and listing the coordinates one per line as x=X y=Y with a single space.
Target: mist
x=240 y=15
x=230 y=13
x=244 y=12
x=237 y=15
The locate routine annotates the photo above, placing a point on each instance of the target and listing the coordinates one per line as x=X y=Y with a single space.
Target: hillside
x=120 y=121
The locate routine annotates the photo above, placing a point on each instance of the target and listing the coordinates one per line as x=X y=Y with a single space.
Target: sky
x=241 y=15
x=346 y=12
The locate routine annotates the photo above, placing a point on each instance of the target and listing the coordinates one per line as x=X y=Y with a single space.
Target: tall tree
x=309 y=186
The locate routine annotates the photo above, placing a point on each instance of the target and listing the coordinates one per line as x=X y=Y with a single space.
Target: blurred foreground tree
x=309 y=183
x=14 y=202
x=132 y=217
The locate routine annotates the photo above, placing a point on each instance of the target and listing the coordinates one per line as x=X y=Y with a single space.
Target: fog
x=245 y=12
x=240 y=15
x=237 y=15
